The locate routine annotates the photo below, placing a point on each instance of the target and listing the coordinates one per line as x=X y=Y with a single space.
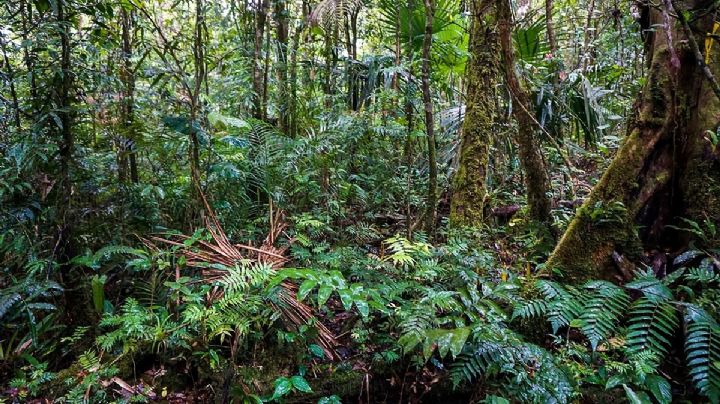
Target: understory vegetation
x=333 y=201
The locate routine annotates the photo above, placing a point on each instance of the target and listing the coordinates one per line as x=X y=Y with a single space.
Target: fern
x=151 y=292
x=602 y=312
x=702 y=351
x=414 y=326
x=552 y=290
x=242 y=277
x=7 y=301
x=564 y=304
x=23 y=299
x=653 y=288
x=704 y=274
x=519 y=369
x=89 y=361
x=651 y=325
x=528 y=309
x=94 y=260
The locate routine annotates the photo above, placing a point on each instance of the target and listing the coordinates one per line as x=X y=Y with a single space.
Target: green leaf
x=614 y=381
x=440 y=337
x=316 y=350
x=408 y=342
x=660 y=388
x=686 y=257
x=362 y=307
x=324 y=294
x=457 y=340
x=346 y=298
x=217 y=119
x=301 y=384
x=283 y=385
x=636 y=398
x=98 y=293
x=305 y=289
x=428 y=348
x=330 y=400
x=42 y=5
x=495 y=400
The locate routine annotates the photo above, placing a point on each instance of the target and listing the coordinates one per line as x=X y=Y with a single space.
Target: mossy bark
x=664 y=170
x=431 y=209
x=537 y=183
x=467 y=206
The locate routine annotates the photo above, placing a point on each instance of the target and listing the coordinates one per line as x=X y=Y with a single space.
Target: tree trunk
x=467 y=207
x=29 y=57
x=66 y=142
x=127 y=78
x=666 y=169
x=266 y=73
x=196 y=107
x=356 y=82
x=10 y=74
x=431 y=211
x=531 y=160
x=550 y=28
x=292 y=99
x=331 y=34
x=282 y=21
x=586 y=53
x=258 y=88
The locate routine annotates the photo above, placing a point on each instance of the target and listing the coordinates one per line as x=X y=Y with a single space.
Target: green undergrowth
x=412 y=320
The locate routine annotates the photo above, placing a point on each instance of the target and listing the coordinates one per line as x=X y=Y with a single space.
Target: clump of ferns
x=511 y=367
x=597 y=309
x=233 y=314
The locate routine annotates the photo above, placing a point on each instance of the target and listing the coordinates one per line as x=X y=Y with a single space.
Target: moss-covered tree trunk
x=283 y=24
x=667 y=168
x=431 y=209
x=537 y=183
x=467 y=206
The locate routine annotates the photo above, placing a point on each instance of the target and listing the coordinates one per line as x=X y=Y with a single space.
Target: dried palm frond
x=224 y=253
x=329 y=13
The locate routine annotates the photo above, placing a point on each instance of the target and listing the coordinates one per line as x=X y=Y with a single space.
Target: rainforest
x=360 y=201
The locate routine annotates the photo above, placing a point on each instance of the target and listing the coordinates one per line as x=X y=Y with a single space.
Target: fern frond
x=414 y=326
x=528 y=309
x=7 y=302
x=703 y=274
x=603 y=310
x=552 y=290
x=242 y=277
x=522 y=370
x=563 y=303
x=151 y=292
x=330 y=12
x=702 y=351
x=108 y=251
x=651 y=326
x=650 y=286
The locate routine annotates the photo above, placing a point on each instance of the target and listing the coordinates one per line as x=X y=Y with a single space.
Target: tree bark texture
x=282 y=21
x=666 y=168
x=127 y=116
x=429 y=120
x=467 y=206
x=531 y=160
x=258 y=70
